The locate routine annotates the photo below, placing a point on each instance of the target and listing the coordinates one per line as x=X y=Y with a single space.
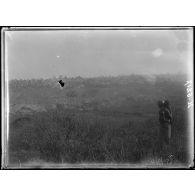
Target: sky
x=92 y=53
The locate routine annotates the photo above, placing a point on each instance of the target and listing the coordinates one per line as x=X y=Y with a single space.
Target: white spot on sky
x=157 y=52
x=57 y=56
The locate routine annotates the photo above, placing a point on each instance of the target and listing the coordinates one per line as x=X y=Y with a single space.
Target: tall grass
x=59 y=136
x=111 y=119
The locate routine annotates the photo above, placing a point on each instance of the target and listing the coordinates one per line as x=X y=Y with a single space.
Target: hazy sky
x=88 y=53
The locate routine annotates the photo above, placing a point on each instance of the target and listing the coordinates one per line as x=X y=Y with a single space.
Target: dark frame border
x=54 y=28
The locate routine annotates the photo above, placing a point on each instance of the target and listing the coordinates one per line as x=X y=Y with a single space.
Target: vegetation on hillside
x=103 y=119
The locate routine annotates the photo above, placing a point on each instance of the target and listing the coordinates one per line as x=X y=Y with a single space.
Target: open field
x=96 y=120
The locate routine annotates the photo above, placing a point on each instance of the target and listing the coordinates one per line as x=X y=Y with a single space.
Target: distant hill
x=122 y=93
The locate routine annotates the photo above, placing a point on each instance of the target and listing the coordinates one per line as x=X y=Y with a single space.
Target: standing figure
x=168 y=117
x=165 y=119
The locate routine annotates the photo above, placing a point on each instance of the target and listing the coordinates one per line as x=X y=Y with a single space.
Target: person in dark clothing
x=165 y=119
x=167 y=106
x=168 y=116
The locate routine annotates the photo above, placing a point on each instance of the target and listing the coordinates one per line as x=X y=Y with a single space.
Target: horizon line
x=100 y=76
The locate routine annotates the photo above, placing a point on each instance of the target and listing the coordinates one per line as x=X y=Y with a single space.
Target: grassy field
x=102 y=120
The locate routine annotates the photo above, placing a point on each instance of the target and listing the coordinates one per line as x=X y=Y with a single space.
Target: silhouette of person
x=168 y=116
x=165 y=120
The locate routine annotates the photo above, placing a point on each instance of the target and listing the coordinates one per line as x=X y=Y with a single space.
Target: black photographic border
x=54 y=28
